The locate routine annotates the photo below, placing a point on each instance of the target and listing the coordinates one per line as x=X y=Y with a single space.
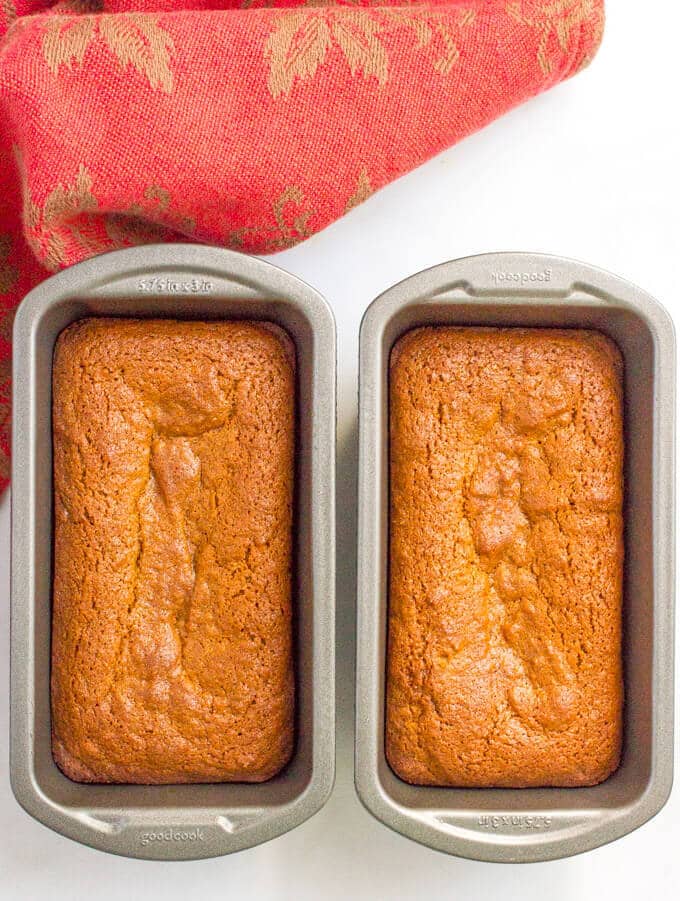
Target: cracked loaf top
x=504 y=660
x=173 y=475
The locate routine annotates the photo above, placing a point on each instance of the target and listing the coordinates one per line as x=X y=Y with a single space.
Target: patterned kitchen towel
x=246 y=123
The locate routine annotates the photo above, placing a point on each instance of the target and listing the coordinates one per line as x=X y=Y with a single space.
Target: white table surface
x=589 y=170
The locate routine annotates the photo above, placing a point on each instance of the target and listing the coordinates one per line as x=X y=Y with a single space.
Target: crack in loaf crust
x=173 y=472
x=506 y=558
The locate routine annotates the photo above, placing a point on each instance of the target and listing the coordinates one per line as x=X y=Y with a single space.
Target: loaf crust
x=173 y=485
x=506 y=558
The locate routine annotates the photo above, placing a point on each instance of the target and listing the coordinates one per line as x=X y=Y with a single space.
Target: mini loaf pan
x=176 y=822
x=513 y=825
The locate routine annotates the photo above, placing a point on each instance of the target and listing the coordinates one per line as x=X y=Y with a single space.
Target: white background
x=589 y=170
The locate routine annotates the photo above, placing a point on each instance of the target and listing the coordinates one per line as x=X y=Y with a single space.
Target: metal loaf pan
x=177 y=822
x=534 y=824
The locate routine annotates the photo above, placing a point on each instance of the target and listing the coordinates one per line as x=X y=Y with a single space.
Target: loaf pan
x=177 y=822
x=510 y=825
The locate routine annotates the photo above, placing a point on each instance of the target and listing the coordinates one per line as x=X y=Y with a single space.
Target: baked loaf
x=504 y=660
x=173 y=482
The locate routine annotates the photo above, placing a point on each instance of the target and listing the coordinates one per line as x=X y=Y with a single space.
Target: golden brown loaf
x=173 y=478
x=504 y=661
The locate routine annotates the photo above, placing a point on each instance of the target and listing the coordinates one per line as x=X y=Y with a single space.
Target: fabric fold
x=250 y=124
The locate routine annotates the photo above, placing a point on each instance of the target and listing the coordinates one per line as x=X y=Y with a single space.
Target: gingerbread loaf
x=506 y=557
x=173 y=486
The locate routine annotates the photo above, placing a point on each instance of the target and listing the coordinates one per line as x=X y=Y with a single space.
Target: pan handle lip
x=120 y=273
x=154 y=835
x=481 y=277
x=463 y=833
x=178 y=833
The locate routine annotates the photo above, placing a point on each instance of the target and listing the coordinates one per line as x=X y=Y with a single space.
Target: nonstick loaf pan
x=176 y=822
x=509 y=825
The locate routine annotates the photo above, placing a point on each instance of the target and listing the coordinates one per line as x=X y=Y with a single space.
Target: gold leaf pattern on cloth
x=51 y=228
x=356 y=35
x=295 y=50
x=363 y=191
x=295 y=229
x=597 y=24
x=447 y=61
x=66 y=201
x=301 y=40
x=9 y=11
x=8 y=273
x=66 y=41
x=158 y=194
x=139 y=41
x=291 y=217
x=136 y=226
x=560 y=18
x=70 y=225
x=135 y=39
x=435 y=24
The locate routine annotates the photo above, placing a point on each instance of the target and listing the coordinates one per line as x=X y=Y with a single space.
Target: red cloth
x=241 y=122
